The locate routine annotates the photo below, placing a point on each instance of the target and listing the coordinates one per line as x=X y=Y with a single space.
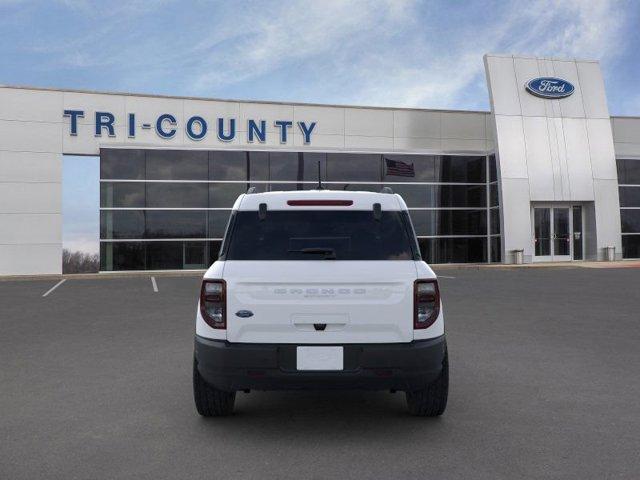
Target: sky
x=400 y=53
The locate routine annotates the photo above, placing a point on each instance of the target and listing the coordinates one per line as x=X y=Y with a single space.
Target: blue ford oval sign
x=549 y=87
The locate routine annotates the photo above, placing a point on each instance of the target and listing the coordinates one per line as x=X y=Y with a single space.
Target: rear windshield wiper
x=329 y=253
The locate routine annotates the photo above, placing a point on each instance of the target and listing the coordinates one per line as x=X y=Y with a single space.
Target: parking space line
x=444 y=276
x=54 y=287
x=154 y=284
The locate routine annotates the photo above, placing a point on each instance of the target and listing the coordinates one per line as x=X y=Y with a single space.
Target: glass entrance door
x=542 y=233
x=557 y=233
x=561 y=250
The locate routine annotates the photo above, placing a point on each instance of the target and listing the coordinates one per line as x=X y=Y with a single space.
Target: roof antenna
x=319 y=177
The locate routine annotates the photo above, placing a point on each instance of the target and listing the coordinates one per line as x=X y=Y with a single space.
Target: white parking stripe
x=154 y=284
x=54 y=287
x=444 y=276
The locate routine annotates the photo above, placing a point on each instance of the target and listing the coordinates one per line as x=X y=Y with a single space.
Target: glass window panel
x=224 y=195
x=449 y=222
x=630 y=221
x=176 y=224
x=129 y=195
x=218 y=220
x=214 y=251
x=542 y=231
x=409 y=168
x=630 y=246
x=258 y=166
x=493 y=169
x=494 y=198
x=177 y=195
x=453 y=250
x=285 y=166
x=165 y=255
x=125 y=164
x=496 y=249
x=354 y=167
x=286 y=187
x=195 y=255
x=122 y=256
x=351 y=187
x=121 y=224
x=628 y=171
x=177 y=165
x=464 y=169
x=228 y=165
x=310 y=172
x=495 y=220
x=430 y=196
x=629 y=196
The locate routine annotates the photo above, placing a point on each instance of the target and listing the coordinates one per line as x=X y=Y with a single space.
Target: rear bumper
x=390 y=366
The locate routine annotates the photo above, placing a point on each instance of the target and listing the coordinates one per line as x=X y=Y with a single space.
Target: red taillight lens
x=426 y=303
x=213 y=303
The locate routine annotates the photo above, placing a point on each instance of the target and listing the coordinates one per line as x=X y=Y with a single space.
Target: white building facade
x=546 y=175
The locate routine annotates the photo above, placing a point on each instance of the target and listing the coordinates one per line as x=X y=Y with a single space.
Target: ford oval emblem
x=244 y=313
x=549 y=87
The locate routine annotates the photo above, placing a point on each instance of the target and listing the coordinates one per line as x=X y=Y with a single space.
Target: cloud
x=387 y=52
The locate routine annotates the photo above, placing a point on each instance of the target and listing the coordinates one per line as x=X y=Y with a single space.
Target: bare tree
x=80 y=262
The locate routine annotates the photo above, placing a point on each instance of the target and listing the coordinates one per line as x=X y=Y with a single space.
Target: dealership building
x=545 y=175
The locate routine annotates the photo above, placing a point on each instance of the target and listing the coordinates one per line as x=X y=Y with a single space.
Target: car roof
x=360 y=200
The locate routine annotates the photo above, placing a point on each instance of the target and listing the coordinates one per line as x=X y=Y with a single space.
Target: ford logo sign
x=244 y=313
x=549 y=87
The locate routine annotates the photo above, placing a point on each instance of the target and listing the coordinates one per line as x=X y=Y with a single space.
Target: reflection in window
x=125 y=164
x=629 y=196
x=122 y=224
x=127 y=195
x=218 y=220
x=285 y=166
x=122 y=256
x=628 y=171
x=630 y=221
x=176 y=224
x=431 y=196
x=177 y=195
x=224 y=195
x=228 y=165
x=355 y=167
x=453 y=250
x=177 y=165
x=631 y=246
x=449 y=222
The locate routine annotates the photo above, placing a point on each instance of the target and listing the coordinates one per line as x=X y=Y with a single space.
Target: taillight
x=213 y=303
x=426 y=303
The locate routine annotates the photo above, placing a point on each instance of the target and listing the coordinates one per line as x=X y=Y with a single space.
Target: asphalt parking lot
x=95 y=382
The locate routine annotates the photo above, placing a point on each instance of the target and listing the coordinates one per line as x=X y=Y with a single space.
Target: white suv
x=320 y=289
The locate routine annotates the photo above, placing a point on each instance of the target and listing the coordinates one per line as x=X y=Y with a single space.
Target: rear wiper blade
x=330 y=253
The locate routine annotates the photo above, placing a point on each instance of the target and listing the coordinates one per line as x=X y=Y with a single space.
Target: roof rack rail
x=251 y=190
x=386 y=190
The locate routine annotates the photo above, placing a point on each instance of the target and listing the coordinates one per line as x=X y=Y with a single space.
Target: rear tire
x=211 y=402
x=432 y=401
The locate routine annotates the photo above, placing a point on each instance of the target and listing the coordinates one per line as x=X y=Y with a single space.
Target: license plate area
x=319 y=358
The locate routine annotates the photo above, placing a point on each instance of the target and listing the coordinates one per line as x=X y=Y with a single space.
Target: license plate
x=320 y=358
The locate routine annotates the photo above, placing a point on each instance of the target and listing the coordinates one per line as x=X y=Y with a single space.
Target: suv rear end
x=320 y=289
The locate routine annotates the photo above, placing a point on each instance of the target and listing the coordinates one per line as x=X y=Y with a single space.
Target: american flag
x=399 y=169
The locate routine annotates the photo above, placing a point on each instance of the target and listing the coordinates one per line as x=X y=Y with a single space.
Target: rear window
x=320 y=235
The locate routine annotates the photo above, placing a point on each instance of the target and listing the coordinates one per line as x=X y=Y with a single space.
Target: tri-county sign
x=549 y=87
x=196 y=127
